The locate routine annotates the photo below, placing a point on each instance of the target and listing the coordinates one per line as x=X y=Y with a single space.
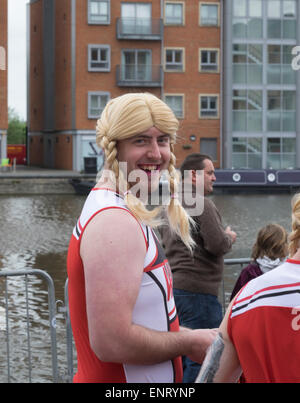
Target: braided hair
x=294 y=237
x=124 y=117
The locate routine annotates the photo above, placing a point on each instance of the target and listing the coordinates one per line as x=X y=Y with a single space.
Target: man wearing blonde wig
x=122 y=308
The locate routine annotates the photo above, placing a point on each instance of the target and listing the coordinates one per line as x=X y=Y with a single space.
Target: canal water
x=35 y=232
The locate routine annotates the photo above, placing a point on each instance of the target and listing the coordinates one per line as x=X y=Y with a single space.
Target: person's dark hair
x=271 y=241
x=194 y=161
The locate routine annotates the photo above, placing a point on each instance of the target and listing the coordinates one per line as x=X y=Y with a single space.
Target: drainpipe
x=298 y=97
x=227 y=88
x=221 y=83
x=162 y=48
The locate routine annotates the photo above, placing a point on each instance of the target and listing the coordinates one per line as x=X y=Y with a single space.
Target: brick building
x=3 y=78
x=84 y=52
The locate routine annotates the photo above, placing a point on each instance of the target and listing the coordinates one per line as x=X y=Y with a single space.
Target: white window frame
x=93 y=22
x=181 y=66
x=181 y=114
x=99 y=48
x=202 y=68
x=209 y=110
x=182 y=23
x=98 y=94
x=201 y=3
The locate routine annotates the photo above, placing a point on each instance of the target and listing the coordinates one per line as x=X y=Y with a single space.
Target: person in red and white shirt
x=122 y=309
x=260 y=333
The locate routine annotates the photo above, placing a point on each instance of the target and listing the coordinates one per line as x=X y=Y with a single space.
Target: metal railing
x=140 y=28
x=54 y=309
x=139 y=75
x=226 y=293
x=11 y=294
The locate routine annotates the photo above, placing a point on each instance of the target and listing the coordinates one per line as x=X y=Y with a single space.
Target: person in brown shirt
x=197 y=275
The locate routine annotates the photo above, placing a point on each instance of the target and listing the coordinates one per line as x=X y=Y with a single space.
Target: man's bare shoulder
x=112 y=228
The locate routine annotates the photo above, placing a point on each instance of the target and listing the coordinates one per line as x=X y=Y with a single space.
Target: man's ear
x=193 y=175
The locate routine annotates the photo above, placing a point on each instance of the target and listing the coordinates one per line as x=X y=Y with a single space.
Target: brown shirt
x=202 y=270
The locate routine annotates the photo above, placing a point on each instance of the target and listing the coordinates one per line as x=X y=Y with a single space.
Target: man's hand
x=231 y=233
x=201 y=339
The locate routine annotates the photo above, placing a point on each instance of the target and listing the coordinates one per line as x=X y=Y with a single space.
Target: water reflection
x=35 y=235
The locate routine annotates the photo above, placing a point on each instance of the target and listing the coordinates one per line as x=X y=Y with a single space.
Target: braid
x=124 y=117
x=294 y=237
x=179 y=219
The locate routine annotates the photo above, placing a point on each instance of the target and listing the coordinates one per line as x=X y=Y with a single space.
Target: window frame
x=182 y=96
x=203 y=3
x=90 y=21
x=182 y=16
x=217 y=116
x=168 y=70
x=99 y=94
x=210 y=50
x=99 y=47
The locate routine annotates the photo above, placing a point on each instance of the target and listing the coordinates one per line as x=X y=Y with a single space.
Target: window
x=247 y=152
x=247 y=63
x=98 y=11
x=136 y=65
x=136 y=18
x=281 y=153
x=247 y=18
x=279 y=65
x=209 y=60
x=208 y=146
x=282 y=22
x=247 y=110
x=98 y=58
x=175 y=102
x=209 y=14
x=281 y=115
x=209 y=106
x=174 y=59
x=96 y=103
x=174 y=13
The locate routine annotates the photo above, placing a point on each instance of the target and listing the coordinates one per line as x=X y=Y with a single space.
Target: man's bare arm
x=212 y=360
x=110 y=241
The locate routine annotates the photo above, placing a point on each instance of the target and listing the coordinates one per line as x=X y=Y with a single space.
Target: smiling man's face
x=148 y=153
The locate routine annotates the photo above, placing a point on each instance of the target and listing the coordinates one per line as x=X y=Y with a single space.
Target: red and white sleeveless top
x=264 y=325
x=154 y=308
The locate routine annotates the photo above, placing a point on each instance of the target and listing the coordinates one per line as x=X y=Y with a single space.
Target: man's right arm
x=113 y=251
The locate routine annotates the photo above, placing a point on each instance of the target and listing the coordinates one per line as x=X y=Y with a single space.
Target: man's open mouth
x=148 y=168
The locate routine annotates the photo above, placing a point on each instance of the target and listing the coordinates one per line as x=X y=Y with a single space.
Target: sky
x=17 y=75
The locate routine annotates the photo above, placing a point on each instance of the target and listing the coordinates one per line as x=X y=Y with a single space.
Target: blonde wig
x=129 y=115
x=294 y=237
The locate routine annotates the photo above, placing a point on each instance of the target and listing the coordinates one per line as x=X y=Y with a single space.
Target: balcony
x=144 y=29
x=142 y=75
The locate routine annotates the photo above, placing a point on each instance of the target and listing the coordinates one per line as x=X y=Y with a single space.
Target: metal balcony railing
x=140 y=28
x=139 y=75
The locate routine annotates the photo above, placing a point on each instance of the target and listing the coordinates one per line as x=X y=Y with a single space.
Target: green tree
x=16 y=132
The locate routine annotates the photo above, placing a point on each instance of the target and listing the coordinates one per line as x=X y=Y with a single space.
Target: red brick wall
x=191 y=82
x=104 y=34
x=63 y=65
